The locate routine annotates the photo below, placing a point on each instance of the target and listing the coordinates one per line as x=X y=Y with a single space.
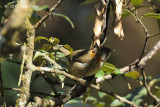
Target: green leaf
x=39 y=53
x=100 y=75
x=40 y=8
x=51 y=56
x=116 y=103
x=157 y=93
x=64 y=16
x=54 y=41
x=59 y=55
x=127 y=12
x=100 y=104
x=86 y=2
x=69 y=48
x=155 y=15
x=133 y=74
x=46 y=47
x=73 y=101
x=136 y=2
x=101 y=95
x=61 y=77
x=56 y=47
x=110 y=68
x=40 y=38
x=48 y=97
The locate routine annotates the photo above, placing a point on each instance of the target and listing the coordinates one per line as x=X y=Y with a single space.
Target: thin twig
x=138 y=20
x=12 y=89
x=153 y=35
x=157 y=105
x=146 y=32
x=121 y=99
x=146 y=86
x=52 y=61
x=44 y=18
x=22 y=67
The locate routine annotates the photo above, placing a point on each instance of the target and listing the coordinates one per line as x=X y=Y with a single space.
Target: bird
x=84 y=63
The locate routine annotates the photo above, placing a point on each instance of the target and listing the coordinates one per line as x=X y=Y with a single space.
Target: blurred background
x=127 y=50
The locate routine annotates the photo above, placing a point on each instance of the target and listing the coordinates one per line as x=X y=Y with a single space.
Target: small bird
x=85 y=63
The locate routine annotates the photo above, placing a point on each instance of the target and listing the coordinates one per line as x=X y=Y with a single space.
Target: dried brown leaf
x=118 y=29
x=98 y=26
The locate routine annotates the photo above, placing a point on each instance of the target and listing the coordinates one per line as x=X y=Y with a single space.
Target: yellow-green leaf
x=46 y=47
x=40 y=38
x=64 y=16
x=136 y=2
x=157 y=93
x=88 y=2
x=100 y=75
x=54 y=41
x=69 y=48
x=133 y=74
x=155 y=15
x=51 y=56
x=39 y=54
x=62 y=78
x=110 y=68
x=126 y=13
x=39 y=8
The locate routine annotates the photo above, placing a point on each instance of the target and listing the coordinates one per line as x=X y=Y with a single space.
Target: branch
x=145 y=31
x=144 y=60
x=25 y=89
x=59 y=99
x=136 y=63
x=146 y=86
x=44 y=18
x=153 y=35
x=12 y=89
x=138 y=20
x=157 y=105
x=82 y=82
x=150 y=54
x=52 y=62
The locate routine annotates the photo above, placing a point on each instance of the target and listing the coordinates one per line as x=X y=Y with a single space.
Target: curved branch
x=44 y=18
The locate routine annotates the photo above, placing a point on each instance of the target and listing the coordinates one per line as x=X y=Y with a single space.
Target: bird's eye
x=93 y=51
